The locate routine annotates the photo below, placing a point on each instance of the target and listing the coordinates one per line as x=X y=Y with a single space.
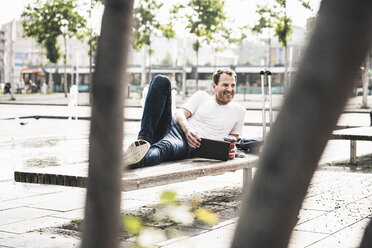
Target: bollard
x=262 y=73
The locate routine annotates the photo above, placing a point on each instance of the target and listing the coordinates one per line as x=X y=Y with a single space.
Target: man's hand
x=193 y=138
x=232 y=153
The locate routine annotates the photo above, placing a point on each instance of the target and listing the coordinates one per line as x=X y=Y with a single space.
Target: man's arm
x=192 y=136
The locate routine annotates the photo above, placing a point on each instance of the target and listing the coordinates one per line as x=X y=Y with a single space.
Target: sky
x=243 y=11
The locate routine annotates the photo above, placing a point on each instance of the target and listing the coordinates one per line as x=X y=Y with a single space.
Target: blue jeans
x=168 y=142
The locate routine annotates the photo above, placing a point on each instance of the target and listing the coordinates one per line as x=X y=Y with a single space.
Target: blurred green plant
x=45 y=21
x=170 y=209
x=274 y=19
x=146 y=25
x=207 y=21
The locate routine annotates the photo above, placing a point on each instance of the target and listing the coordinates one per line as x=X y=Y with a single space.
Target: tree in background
x=92 y=40
x=204 y=19
x=273 y=17
x=147 y=25
x=45 y=21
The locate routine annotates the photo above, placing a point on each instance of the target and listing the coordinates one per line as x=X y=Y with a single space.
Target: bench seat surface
x=169 y=172
x=357 y=133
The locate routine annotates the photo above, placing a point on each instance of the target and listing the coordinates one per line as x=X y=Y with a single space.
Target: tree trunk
x=51 y=83
x=308 y=116
x=269 y=60
x=366 y=79
x=64 y=67
x=90 y=75
x=90 y=53
x=286 y=84
x=150 y=63
x=196 y=71
x=102 y=211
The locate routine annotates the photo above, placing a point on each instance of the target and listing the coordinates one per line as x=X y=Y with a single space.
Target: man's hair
x=219 y=72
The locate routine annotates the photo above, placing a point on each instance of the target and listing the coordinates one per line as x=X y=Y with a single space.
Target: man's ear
x=213 y=86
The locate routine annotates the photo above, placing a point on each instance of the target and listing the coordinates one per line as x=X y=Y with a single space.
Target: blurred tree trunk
x=365 y=76
x=309 y=114
x=102 y=210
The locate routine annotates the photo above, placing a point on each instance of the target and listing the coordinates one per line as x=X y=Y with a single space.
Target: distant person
x=34 y=88
x=164 y=137
x=7 y=88
x=20 y=86
x=73 y=103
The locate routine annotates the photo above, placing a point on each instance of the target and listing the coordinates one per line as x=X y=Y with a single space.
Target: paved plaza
x=334 y=213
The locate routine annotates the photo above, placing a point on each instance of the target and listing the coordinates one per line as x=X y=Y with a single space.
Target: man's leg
x=157 y=113
x=156 y=119
x=173 y=146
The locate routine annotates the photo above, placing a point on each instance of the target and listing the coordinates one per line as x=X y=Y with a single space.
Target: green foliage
x=146 y=24
x=169 y=197
x=45 y=21
x=92 y=42
x=53 y=49
x=207 y=216
x=171 y=209
x=266 y=19
x=274 y=17
x=283 y=30
x=167 y=60
x=133 y=224
x=204 y=20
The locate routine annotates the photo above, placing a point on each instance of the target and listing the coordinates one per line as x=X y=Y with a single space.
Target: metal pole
x=270 y=97
x=262 y=73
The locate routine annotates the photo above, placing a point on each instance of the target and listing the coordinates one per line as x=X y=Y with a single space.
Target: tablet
x=214 y=149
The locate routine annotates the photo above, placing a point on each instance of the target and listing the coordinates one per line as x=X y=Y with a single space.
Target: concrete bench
x=165 y=173
x=353 y=134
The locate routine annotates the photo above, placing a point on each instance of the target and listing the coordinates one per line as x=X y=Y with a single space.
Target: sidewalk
x=334 y=213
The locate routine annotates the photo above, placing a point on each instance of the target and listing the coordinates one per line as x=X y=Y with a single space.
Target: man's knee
x=161 y=81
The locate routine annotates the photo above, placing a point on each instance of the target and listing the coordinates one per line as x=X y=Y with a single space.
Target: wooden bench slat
x=165 y=173
x=353 y=134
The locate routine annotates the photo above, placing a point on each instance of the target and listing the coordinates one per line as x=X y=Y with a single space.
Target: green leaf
x=133 y=224
x=207 y=216
x=168 y=196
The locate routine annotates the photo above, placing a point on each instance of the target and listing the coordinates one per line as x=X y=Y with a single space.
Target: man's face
x=224 y=91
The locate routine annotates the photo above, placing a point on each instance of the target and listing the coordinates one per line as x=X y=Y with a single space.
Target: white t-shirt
x=211 y=120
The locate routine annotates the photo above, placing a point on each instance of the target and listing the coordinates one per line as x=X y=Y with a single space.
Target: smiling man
x=165 y=138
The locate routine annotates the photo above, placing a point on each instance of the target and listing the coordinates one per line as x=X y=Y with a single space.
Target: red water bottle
x=231 y=139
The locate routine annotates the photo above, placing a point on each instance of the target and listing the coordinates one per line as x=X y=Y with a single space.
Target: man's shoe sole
x=136 y=152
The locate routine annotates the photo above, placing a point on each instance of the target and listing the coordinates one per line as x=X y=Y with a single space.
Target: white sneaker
x=136 y=152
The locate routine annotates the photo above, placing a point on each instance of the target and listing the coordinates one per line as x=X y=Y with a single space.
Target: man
x=164 y=138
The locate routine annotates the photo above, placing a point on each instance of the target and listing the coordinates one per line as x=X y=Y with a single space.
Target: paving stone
x=306 y=215
x=7 y=235
x=303 y=239
x=16 y=215
x=73 y=214
x=331 y=222
x=219 y=238
x=12 y=190
x=61 y=201
x=40 y=240
x=350 y=237
x=22 y=227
